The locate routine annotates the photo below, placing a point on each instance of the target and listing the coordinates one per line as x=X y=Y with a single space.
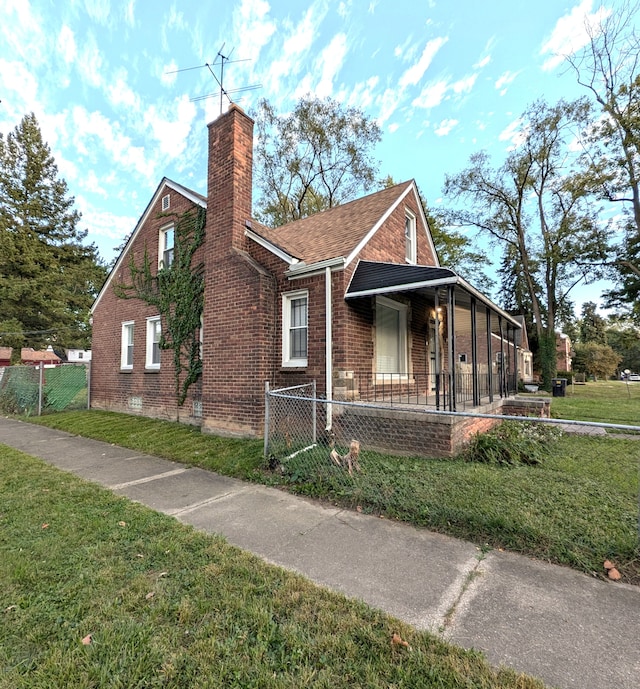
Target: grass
x=609 y=401
x=577 y=509
x=167 y=606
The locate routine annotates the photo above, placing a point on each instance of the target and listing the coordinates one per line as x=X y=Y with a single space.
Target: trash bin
x=559 y=387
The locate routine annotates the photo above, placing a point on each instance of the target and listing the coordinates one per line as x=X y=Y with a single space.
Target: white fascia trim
x=427 y=229
x=164 y=183
x=302 y=270
x=408 y=286
x=377 y=226
x=487 y=302
x=266 y=244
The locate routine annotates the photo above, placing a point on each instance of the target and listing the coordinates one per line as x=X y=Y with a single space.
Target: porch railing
x=444 y=391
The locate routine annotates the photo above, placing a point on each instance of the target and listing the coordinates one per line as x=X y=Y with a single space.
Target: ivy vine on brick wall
x=178 y=294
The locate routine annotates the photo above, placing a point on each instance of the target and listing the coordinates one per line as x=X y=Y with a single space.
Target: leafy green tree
x=11 y=335
x=593 y=327
x=608 y=67
x=314 y=158
x=624 y=338
x=48 y=275
x=597 y=360
x=536 y=206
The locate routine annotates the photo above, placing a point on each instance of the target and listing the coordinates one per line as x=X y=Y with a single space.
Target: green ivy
x=178 y=294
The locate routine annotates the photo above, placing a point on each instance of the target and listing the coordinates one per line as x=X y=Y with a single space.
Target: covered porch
x=439 y=342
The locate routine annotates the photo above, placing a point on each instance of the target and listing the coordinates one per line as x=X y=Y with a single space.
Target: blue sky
x=442 y=78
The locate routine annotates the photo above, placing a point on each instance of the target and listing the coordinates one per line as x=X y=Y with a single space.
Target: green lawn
x=578 y=509
x=607 y=401
x=166 y=606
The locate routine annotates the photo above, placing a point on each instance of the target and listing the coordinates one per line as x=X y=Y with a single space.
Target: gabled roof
x=340 y=232
x=165 y=183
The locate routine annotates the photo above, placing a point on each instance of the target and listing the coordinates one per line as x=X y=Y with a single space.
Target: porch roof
x=372 y=278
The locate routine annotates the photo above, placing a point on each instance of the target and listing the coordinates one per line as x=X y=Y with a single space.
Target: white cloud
x=483 y=62
x=98 y=10
x=571 y=32
x=362 y=95
x=432 y=95
x=168 y=75
x=415 y=73
x=120 y=93
x=445 y=127
x=19 y=86
x=514 y=133
x=464 y=85
x=90 y=62
x=330 y=63
x=505 y=80
x=128 y=13
x=103 y=223
x=253 y=26
x=393 y=127
x=171 y=135
x=67 y=44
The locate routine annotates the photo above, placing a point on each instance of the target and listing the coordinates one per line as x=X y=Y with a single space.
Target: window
x=80 y=355
x=166 y=201
x=410 y=237
x=294 y=328
x=391 y=336
x=126 y=346
x=153 y=342
x=166 y=245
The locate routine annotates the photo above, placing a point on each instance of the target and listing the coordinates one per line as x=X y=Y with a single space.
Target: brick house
x=353 y=298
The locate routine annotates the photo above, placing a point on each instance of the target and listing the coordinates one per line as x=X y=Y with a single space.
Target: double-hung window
x=391 y=336
x=126 y=346
x=410 y=237
x=166 y=244
x=153 y=342
x=295 y=328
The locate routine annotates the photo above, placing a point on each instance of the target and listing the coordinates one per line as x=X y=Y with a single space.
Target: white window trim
x=403 y=310
x=411 y=256
x=161 y=244
x=124 y=344
x=149 y=345
x=286 y=325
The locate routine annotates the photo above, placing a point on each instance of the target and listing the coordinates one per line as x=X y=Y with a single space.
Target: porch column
x=451 y=345
x=438 y=367
x=501 y=371
x=489 y=356
x=474 y=353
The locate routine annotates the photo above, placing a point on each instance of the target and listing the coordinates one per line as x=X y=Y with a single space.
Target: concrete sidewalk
x=567 y=628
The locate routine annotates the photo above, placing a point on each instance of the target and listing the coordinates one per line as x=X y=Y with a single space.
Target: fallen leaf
x=163 y=574
x=397 y=640
x=359 y=508
x=150 y=595
x=613 y=574
x=87 y=639
x=608 y=565
x=122 y=523
x=139 y=555
x=45 y=526
x=10 y=608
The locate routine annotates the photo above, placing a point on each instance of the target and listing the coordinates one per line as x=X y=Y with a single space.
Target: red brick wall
x=112 y=388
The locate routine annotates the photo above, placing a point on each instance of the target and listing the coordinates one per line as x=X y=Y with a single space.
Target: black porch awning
x=373 y=278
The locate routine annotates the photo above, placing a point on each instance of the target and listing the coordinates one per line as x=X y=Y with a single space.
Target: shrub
x=513 y=443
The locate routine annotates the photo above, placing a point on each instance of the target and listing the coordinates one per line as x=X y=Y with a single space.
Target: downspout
x=328 y=355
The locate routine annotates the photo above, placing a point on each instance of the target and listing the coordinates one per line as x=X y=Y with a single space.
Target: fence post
x=314 y=413
x=40 y=380
x=88 y=369
x=266 y=418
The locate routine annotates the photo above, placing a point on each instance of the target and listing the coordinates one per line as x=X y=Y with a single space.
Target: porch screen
x=391 y=341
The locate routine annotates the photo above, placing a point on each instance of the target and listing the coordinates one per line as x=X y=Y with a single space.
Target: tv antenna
x=220 y=60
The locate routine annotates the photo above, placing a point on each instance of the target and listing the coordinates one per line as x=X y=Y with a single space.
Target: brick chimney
x=229 y=179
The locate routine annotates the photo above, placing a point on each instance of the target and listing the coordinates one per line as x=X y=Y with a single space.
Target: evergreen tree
x=48 y=275
x=593 y=327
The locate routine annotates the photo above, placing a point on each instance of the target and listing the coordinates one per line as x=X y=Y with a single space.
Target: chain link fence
x=36 y=390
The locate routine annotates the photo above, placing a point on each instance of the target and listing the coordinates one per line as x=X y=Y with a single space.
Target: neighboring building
x=353 y=298
x=525 y=355
x=5 y=356
x=78 y=356
x=563 y=352
x=30 y=356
